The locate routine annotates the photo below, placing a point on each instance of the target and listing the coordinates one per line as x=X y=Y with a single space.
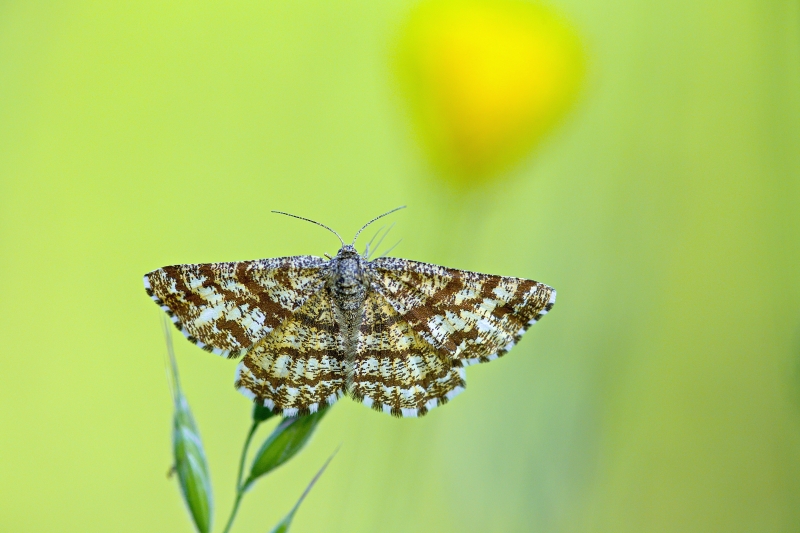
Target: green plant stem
x=239 y=488
x=239 y=495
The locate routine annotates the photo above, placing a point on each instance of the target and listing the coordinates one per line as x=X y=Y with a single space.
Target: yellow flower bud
x=486 y=80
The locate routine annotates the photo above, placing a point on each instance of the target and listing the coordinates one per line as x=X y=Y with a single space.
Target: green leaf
x=283 y=525
x=261 y=413
x=285 y=441
x=190 y=458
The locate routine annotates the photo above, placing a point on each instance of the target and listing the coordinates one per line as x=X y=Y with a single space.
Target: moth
x=391 y=333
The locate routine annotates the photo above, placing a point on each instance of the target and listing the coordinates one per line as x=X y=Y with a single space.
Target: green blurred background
x=660 y=395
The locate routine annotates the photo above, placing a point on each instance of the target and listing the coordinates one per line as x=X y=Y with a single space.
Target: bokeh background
x=663 y=202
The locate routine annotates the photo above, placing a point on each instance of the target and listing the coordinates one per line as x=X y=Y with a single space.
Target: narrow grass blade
x=285 y=441
x=190 y=458
x=283 y=525
x=378 y=244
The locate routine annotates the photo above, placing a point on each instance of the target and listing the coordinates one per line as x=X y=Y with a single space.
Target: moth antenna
x=313 y=222
x=392 y=248
x=366 y=248
x=378 y=245
x=373 y=220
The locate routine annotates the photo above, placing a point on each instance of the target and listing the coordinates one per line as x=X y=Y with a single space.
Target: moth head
x=347 y=251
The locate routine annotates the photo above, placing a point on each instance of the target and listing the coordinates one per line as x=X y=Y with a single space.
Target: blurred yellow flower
x=486 y=80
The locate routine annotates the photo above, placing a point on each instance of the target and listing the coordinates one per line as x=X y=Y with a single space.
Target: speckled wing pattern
x=473 y=317
x=421 y=325
x=299 y=366
x=396 y=371
x=225 y=308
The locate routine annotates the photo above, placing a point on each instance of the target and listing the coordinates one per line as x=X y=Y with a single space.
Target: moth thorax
x=348 y=282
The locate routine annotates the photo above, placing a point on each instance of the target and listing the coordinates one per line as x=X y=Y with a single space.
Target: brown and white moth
x=391 y=333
